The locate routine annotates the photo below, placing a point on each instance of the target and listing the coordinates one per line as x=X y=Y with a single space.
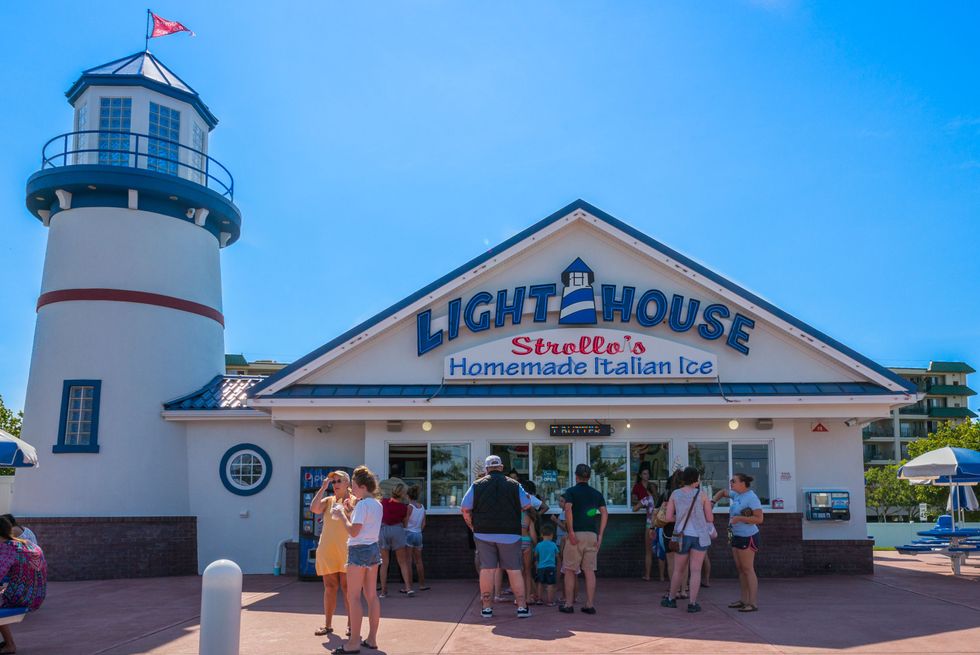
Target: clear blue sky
x=826 y=157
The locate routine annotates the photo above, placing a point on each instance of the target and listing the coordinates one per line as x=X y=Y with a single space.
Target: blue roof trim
x=579 y=390
x=615 y=222
x=222 y=392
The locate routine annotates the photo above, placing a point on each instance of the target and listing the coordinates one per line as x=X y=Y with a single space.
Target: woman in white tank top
x=690 y=509
x=413 y=533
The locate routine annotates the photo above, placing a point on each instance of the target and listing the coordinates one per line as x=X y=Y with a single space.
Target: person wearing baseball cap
x=331 y=550
x=492 y=509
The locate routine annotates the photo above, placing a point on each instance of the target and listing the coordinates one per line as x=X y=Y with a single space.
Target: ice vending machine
x=310 y=525
x=827 y=504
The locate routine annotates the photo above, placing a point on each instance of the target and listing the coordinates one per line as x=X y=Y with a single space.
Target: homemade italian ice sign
x=580 y=354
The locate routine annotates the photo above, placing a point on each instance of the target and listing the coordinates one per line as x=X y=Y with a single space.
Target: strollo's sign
x=579 y=354
x=650 y=308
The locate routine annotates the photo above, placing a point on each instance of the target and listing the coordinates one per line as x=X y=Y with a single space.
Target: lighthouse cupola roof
x=146 y=70
x=577 y=266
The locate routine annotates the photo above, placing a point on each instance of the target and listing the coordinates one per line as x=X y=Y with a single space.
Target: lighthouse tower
x=129 y=313
x=578 y=297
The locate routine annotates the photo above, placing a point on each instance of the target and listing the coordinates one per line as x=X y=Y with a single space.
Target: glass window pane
x=552 y=470
x=608 y=462
x=514 y=456
x=409 y=462
x=651 y=457
x=711 y=458
x=753 y=459
x=450 y=473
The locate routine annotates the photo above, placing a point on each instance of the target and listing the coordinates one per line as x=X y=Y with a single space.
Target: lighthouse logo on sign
x=578 y=298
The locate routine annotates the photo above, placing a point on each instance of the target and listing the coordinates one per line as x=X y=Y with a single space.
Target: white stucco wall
x=143 y=354
x=273 y=513
x=831 y=460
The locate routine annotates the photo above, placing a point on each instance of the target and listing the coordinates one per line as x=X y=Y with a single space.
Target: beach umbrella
x=956 y=466
x=964 y=499
x=942 y=462
x=15 y=452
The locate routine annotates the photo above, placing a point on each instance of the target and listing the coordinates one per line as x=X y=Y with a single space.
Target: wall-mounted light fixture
x=733 y=425
x=427 y=426
x=529 y=426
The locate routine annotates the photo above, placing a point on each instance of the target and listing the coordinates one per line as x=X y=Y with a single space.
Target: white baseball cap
x=493 y=460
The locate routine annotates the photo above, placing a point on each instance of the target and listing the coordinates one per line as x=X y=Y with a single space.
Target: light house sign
x=650 y=309
x=580 y=354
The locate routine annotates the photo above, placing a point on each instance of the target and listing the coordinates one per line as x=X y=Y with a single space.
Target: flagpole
x=146 y=41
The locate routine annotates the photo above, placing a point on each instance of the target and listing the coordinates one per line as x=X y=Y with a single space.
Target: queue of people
x=513 y=534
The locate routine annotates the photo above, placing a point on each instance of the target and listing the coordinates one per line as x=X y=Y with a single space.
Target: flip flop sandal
x=340 y=650
x=736 y=605
x=748 y=608
x=424 y=588
x=365 y=644
x=319 y=633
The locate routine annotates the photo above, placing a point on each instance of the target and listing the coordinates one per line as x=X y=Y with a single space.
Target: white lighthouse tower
x=129 y=313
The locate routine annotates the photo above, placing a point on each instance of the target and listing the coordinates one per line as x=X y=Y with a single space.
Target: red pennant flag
x=163 y=27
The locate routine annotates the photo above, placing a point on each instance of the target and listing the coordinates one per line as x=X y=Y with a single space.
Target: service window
x=608 y=462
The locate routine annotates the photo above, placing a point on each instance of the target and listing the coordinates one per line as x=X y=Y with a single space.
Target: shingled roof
x=222 y=392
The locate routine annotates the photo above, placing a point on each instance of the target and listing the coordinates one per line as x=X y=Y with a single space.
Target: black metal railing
x=134 y=150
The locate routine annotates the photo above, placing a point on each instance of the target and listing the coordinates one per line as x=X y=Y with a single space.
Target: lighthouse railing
x=135 y=150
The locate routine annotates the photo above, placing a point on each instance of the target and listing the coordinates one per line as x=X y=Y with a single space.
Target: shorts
x=689 y=543
x=743 y=543
x=363 y=555
x=392 y=537
x=493 y=555
x=413 y=539
x=582 y=555
x=546 y=575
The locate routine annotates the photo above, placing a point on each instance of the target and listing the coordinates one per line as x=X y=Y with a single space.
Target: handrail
x=130 y=156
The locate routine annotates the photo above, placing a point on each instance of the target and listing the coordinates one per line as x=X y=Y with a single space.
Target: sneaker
x=588 y=610
x=566 y=609
x=667 y=601
x=523 y=612
x=487 y=612
x=693 y=607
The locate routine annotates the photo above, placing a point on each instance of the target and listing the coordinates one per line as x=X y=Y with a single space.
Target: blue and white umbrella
x=964 y=499
x=945 y=466
x=942 y=463
x=17 y=453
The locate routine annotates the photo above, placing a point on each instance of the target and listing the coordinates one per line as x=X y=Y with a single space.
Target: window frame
x=428 y=475
x=93 y=445
x=628 y=507
x=156 y=143
x=531 y=443
x=120 y=156
x=239 y=449
x=769 y=443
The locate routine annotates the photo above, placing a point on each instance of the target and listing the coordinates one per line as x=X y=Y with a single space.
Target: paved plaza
x=909 y=606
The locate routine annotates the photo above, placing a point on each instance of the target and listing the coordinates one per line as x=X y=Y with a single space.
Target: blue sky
x=826 y=157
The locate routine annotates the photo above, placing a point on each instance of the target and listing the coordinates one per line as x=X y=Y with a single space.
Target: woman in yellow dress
x=331 y=551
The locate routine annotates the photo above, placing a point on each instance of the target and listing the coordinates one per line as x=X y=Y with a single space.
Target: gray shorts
x=392 y=537
x=493 y=555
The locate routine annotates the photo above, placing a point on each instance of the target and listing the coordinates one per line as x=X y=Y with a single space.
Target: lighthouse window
x=197 y=154
x=114 y=124
x=245 y=469
x=577 y=279
x=161 y=150
x=78 y=428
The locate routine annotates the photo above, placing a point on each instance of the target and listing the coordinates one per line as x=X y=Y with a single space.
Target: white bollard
x=221 y=608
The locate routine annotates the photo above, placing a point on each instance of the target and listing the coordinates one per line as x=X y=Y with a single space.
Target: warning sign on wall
x=818 y=427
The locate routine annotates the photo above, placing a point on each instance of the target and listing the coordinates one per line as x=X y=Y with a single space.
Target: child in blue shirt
x=546 y=553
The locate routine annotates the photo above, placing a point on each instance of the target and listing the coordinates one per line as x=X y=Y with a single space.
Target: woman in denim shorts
x=363 y=558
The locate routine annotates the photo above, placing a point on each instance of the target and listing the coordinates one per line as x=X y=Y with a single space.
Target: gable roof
x=808 y=332
x=141 y=69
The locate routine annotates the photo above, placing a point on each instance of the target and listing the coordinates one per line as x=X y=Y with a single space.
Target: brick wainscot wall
x=784 y=553
x=100 y=548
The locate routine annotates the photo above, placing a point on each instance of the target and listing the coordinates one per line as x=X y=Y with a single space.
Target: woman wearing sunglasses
x=745 y=515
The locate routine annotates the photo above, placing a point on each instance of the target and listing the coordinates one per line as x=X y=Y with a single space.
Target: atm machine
x=827 y=504
x=310 y=525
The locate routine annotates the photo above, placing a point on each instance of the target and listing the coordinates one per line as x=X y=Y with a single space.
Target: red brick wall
x=783 y=551
x=99 y=548
x=838 y=556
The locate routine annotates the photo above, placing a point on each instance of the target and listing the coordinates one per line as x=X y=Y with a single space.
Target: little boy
x=546 y=553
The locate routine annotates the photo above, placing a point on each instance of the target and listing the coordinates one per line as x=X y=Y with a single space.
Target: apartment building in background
x=947 y=395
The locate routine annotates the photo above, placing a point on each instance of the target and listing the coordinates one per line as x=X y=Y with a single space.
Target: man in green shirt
x=584 y=509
